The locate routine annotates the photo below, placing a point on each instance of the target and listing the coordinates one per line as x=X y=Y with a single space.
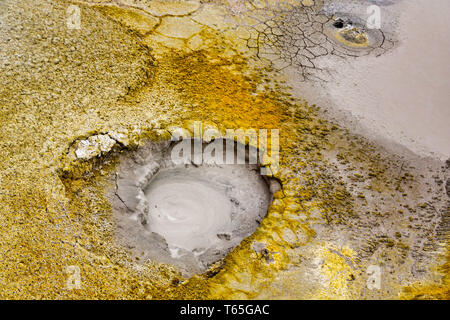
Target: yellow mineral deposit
x=353 y=37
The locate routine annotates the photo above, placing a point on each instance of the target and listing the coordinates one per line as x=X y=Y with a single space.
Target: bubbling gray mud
x=188 y=215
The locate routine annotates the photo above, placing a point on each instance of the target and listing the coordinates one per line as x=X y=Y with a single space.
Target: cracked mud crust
x=128 y=75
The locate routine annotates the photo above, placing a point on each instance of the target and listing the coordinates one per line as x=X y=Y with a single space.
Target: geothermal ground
x=348 y=199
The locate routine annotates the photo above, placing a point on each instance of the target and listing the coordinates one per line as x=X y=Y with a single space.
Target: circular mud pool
x=188 y=214
x=352 y=36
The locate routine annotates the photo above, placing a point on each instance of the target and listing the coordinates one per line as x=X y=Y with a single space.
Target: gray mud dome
x=184 y=214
